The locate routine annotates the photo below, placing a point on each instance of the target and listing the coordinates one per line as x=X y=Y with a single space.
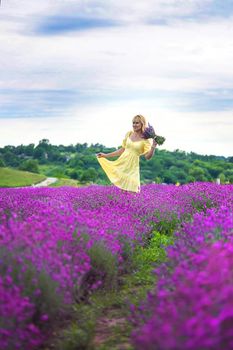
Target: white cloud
x=183 y=56
x=204 y=133
x=137 y=10
x=130 y=10
x=188 y=57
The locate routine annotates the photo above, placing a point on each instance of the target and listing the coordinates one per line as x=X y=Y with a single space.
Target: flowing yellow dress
x=124 y=171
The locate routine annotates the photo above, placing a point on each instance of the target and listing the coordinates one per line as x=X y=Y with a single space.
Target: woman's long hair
x=142 y=120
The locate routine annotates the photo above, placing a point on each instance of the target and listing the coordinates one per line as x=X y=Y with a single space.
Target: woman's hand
x=117 y=153
x=101 y=155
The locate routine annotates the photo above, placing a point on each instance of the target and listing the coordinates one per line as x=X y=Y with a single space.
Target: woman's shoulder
x=148 y=141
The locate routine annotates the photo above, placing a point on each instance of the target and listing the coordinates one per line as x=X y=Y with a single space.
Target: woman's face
x=137 y=125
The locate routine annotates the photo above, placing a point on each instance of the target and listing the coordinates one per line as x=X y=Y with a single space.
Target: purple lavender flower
x=149 y=133
x=52 y=235
x=191 y=305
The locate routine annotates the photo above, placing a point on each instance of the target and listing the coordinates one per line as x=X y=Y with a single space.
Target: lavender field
x=60 y=245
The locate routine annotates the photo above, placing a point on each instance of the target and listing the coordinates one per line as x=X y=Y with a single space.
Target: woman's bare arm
x=151 y=152
x=118 y=152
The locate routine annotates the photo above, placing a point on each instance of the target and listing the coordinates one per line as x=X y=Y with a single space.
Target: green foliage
x=145 y=258
x=230 y=179
x=169 y=177
x=47 y=300
x=74 y=174
x=89 y=175
x=103 y=263
x=65 y=182
x=79 y=162
x=104 y=268
x=30 y=165
x=165 y=226
x=198 y=173
x=56 y=171
x=222 y=178
x=10 y=158
x=40 y=154
x=113 y=303
x=79 y=334
x=2 y=163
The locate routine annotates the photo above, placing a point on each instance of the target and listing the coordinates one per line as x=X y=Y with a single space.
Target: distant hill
x=16 y=178
x=78 y=162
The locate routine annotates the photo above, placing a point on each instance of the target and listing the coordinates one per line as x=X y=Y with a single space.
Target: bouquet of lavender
x=149 y=133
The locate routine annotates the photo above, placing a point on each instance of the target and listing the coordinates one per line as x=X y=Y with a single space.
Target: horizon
x=92 y=144
x=75 y=72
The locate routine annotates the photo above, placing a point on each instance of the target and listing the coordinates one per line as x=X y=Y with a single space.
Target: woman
x=124 y=172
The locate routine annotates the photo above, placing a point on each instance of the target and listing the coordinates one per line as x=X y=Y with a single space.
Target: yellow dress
x=124 y=171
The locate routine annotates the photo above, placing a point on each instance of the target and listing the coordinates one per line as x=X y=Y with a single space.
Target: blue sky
x=55 y=25
x=78 y=71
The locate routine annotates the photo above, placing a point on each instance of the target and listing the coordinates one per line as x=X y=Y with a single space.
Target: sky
x=78 y=71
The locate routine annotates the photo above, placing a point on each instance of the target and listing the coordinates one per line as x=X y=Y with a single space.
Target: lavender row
x=191 y=306
x=49 y=239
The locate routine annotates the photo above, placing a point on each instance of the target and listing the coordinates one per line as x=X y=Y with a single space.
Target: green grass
x=17 y=178
x=44 y=168
x=102 y=322
x=65 y=182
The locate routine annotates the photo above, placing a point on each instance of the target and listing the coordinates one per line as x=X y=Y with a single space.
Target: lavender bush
x=59 y=244
x=191 y=306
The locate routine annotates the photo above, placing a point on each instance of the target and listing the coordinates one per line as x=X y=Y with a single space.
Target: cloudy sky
x=78 y=71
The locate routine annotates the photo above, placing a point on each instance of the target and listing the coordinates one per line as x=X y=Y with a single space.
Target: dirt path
x=46 y=182
x=110 y=332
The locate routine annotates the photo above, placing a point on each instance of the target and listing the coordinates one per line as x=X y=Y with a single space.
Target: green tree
x=10 y=159
x=73 y=174
x=81 y=147
x=198 y=173
x=228 y=174
x=30 y=165
x=89 y=175
x=222 y=178
x=230 y=179
x=169 y=177
x=29 y=149
x=158 y=180
x=40 y=154
x=2 y=163
x=42 y=151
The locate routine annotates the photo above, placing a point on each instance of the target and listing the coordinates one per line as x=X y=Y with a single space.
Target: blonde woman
x=124 y=172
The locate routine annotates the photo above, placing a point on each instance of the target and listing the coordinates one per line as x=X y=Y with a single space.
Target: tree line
x=79 y=162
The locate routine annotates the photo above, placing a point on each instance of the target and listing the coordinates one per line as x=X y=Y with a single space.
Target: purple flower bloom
x=48 y=236
x=191 y=306
x=149 y=133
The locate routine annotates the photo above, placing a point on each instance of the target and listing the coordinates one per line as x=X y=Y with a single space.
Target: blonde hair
x=142 y=120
